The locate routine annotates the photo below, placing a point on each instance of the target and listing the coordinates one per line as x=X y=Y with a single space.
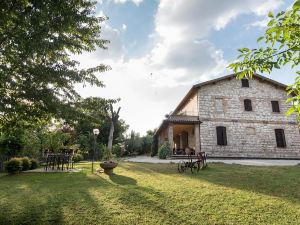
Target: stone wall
x=249 y=134
x=190 y=108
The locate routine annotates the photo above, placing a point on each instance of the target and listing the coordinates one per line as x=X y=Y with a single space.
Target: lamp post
x=95 y=132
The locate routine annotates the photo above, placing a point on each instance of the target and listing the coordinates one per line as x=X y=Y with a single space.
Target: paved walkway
x=249 y=162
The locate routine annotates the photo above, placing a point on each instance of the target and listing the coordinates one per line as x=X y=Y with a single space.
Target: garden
x=141 y=193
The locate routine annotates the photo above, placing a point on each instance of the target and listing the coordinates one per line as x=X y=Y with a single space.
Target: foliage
x=282 y=41
x=34 y=164
x=56 y=140
x=37 y=73
x=26 y=163
x=154 y=147
x=164 y=151
x=11 y=144
x=77 y=157
x=14 y=165
x=154 y=194
x=117 y=150
x=136 y=144
x=94 y=113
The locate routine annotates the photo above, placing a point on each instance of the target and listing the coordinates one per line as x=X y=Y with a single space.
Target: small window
x=275 y=106
x=280 y=138
x=245 y=83
x=247 y=105
x=219 y=105
x=221 y=136
x=250 y=131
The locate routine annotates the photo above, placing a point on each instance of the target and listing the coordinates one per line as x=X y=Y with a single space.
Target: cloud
x=124 y=27
x=260 y=23
x=136 y=2
x=181 y=20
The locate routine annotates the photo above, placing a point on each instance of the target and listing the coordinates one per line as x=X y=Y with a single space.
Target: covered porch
x=182 y=132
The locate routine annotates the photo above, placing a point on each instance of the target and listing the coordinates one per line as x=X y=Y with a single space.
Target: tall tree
x=282 y=47
x=37 y=74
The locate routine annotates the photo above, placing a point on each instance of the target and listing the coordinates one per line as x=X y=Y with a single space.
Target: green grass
x=154 y=194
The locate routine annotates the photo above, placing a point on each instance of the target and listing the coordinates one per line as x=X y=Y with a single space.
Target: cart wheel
x=181 y=166
x=193 y=166
x=200 y=166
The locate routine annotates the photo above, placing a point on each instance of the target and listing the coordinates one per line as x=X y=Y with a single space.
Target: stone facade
x=249 y=133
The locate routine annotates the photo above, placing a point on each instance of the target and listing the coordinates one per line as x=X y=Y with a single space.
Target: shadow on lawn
x=122 y=180
x=76 y=198
x=142 y=199
x=282 y=182
x=48 y=198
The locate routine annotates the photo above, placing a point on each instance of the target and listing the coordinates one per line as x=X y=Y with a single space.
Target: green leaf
x=296 y=5
x=260 y=38
x=271 y=15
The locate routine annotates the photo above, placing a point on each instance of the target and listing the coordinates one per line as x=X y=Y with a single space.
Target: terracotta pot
x=108 y=167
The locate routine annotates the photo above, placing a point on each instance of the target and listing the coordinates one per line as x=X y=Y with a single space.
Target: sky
x=160 y=48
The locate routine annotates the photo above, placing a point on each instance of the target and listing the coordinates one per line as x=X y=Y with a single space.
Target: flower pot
x=108 y=167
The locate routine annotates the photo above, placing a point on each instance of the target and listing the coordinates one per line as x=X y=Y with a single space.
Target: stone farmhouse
x=228 y=117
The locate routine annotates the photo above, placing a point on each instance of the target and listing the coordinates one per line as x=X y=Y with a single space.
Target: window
x=275 y=106
x=280 y=138
x=221 y=136
x=245 y=83
x=248 y=105
x=219 y=105
x=250 y=131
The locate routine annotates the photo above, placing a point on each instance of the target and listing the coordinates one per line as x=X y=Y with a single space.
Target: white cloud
x=260 y=23
x=136 y=2
x=124 y=27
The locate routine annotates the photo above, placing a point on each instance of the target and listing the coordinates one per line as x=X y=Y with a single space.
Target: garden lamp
x=95 y=132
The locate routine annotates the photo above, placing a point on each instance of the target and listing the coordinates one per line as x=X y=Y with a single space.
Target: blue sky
x=160 y=48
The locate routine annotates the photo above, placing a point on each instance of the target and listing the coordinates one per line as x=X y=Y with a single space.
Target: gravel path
x=249 y=162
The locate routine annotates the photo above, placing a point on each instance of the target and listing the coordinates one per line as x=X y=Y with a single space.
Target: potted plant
x=109 y=164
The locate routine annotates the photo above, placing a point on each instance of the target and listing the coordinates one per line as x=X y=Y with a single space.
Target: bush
x=14 y=165
x=77 y=157
x=117 y=150
x=164 y=151
x=34 y=164
x=26 y=164
x=154 y=147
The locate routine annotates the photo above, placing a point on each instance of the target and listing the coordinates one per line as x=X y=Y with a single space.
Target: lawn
x=154 y=194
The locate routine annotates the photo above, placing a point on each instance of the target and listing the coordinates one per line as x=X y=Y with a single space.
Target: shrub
x=164 y=151
x=117 y=150
x=26 y=164
x=34 y=164
x=14 y=165
x=77 y=157
x=154 y=147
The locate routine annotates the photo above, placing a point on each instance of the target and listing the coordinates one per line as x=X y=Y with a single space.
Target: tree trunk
x=110 y=140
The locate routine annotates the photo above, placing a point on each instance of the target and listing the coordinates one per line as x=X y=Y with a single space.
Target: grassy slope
x=154 y=194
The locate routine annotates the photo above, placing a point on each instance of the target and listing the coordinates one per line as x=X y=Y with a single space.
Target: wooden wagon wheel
x=181 y=166
x=200 y=165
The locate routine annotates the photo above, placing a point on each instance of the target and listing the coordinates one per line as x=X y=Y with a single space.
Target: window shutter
x=248 y=105
x=221 y=136
x=280 y=138
x=224 y=136
x=245 y=83
x=275 y=106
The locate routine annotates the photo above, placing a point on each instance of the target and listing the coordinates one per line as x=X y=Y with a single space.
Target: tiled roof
x=183 y=119
x=178 y=119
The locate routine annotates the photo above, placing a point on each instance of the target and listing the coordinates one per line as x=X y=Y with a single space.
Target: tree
x=94 y=113
x=37 y=74
x=114 y=116
x=282 y=47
